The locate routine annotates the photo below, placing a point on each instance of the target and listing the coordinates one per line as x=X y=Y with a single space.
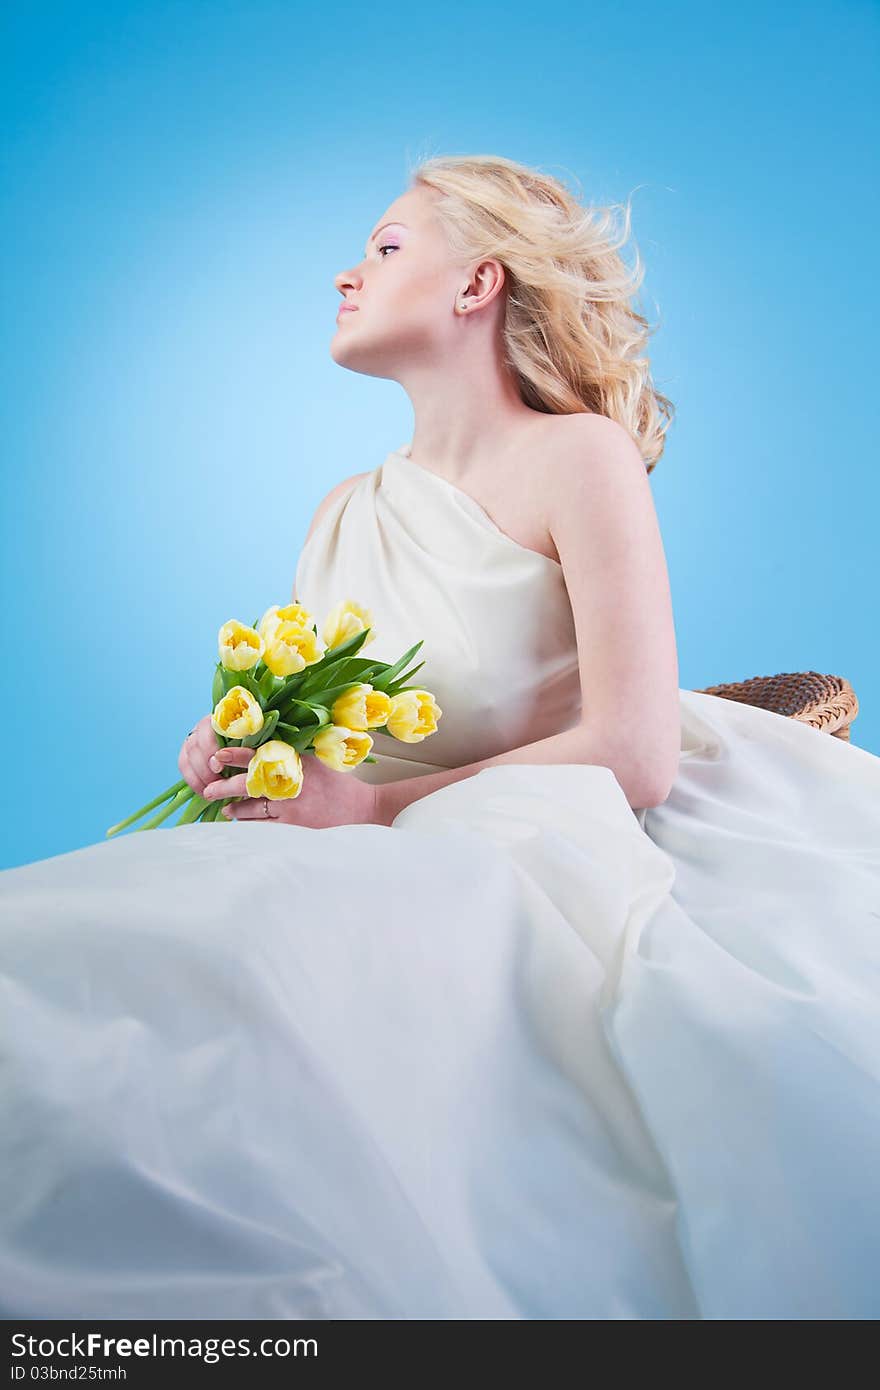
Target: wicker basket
x=828 y=703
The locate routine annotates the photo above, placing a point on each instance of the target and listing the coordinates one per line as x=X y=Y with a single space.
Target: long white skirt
x=523 y=1054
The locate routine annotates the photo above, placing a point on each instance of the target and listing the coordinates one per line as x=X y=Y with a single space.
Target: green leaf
x=302 y=739
x=327 y=694
x=396 y=688
x=336 y=654
x=301 y=704
x=246 y=679
x=390 y=674
x=262 y=735
x=290 y=685
x=267 y=683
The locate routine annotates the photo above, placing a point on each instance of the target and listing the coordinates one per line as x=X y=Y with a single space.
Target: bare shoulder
x=588 y=439
x=326 y=502
x=590 y=460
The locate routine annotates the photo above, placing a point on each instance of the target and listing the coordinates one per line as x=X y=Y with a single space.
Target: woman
x=576 y=1019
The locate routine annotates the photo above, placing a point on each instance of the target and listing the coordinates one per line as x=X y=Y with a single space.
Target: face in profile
x=403 y=292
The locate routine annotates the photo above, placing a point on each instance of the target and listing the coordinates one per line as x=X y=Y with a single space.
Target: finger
x=202 y=775
x=199 y=764
x=233 y=757
x=191 y=775
x=226 y=786
x=197 y=754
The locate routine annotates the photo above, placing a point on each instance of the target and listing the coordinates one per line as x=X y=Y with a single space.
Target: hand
x=195 y=751
x=327 y=797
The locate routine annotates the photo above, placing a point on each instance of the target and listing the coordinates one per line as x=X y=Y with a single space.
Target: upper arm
x=602 y=519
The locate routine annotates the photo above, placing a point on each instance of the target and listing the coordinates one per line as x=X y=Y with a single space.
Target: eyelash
x=389 y=246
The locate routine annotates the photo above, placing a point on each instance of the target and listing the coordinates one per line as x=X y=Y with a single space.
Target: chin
x=363 y=360
x=338 y=351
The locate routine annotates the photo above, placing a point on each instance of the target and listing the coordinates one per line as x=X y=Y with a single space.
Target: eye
x=389 y=246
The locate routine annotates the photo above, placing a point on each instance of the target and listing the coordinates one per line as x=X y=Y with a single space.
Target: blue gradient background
x=180 y=182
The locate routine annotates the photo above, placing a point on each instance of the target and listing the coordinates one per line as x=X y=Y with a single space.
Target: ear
x=487 y=282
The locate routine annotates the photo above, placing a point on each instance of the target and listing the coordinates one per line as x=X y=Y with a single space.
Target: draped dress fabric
x=526 y=1053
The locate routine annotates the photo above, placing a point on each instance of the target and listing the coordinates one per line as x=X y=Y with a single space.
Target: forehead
x=409 y=210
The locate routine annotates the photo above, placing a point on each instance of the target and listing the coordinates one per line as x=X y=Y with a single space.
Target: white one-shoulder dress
x=526 y=1053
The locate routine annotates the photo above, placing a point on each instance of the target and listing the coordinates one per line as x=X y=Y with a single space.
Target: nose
x=346 y=280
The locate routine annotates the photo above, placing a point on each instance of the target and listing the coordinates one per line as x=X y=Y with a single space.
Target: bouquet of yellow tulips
x=277 y=692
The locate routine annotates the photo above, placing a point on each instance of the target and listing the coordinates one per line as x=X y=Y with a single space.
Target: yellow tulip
x=238 y=714
x=295 y=613
x=346 y=619
x=362 y=707
x=290 y=648
x=240 y=646
x=275 y=771
x=414 y=715
x=341 y=748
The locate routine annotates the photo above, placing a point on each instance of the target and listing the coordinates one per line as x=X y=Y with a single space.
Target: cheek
x=419 y=296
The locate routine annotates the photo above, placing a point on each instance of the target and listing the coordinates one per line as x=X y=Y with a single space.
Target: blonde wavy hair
x=571 y=337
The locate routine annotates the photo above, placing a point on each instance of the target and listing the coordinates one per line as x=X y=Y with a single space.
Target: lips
x=346 y=309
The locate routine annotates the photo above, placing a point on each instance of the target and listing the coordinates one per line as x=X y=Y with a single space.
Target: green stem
x=157 y=801
x=185 y=794
x=193 y=811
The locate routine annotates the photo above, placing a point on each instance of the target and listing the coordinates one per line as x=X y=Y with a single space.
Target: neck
x=464 y=414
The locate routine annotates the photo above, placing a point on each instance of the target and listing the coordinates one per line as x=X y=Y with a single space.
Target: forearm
x=580 y=744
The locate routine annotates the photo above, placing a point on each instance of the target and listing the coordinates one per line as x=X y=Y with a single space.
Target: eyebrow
x=373 y=235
